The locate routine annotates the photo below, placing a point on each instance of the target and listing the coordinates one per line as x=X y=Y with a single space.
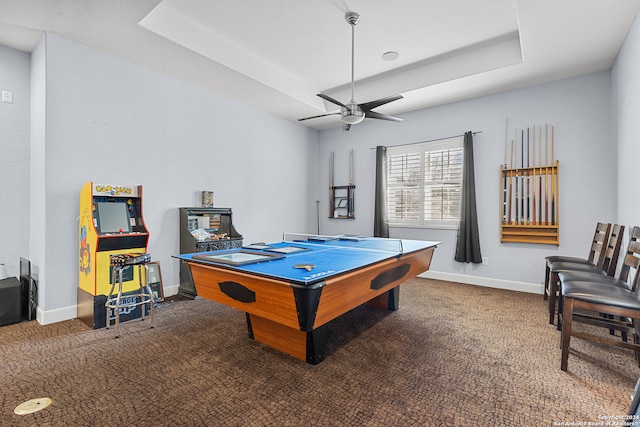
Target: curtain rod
x=430 y=140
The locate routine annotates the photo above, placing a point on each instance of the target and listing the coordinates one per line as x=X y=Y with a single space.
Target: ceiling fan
x=352 y=112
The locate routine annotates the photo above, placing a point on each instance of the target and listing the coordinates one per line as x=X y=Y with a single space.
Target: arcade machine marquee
x=110 y=223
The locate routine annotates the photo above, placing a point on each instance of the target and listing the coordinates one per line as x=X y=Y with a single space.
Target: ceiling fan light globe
x=352 y=119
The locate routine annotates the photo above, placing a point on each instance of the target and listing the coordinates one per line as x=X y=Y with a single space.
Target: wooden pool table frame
x=294 y=318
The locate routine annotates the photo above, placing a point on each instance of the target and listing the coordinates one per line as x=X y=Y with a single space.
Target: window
x=424 y=183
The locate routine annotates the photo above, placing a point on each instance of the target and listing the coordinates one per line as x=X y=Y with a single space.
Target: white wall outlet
x=7 y=96
x=485 y=260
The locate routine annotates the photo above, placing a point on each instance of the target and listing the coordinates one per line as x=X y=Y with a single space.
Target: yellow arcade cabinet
x=110 y=223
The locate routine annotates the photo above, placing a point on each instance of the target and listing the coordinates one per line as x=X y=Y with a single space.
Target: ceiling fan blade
x=373 y=104
x=374 y=115
x=321 y=115
x=330 y=99
x=346 y=126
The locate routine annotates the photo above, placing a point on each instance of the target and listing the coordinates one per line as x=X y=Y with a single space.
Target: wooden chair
x=585 y=278
x=608 y=267
x=598 y=245
x=581 y=298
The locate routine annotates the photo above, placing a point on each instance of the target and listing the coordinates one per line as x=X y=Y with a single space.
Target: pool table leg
x=389 y=300
x=307 y=346
x=317 y=344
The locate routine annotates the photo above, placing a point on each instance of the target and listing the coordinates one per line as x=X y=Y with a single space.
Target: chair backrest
x=632 y=260
x=599 y=244
x=612 y=252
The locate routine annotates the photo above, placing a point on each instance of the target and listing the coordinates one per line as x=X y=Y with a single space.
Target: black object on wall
x=29 y=290
x=10 y=301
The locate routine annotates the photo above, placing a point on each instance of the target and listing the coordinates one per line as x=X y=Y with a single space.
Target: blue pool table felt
x=331 y=258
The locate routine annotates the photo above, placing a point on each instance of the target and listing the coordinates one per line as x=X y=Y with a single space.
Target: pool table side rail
x=353 y=289
x=273 y=300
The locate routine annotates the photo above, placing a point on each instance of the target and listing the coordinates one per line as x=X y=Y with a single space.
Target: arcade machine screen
x=113 y=217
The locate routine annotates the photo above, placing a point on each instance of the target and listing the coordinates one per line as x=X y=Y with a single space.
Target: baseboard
x=488 y=282
x=170 y=291
x=57 y=315
x=67 y=313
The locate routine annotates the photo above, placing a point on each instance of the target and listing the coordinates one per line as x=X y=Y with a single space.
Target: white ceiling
x=278 y=54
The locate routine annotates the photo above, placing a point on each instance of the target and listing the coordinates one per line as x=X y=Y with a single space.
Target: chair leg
x=553 y=290
x=546 y=283
x=636 y=339
x=560 y=308
x=565 y=337
x=623 y=334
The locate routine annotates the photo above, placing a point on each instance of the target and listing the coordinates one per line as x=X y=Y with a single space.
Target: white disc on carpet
x=33 y=405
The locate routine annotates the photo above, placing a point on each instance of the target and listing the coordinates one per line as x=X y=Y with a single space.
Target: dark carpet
x=452 y=355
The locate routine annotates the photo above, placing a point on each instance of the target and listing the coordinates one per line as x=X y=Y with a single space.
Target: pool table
x=291 y=290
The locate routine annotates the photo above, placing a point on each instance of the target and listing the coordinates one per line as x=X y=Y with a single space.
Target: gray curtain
x=380 y=219
x=468 y=244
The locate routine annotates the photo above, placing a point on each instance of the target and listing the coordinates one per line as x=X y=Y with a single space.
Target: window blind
x=424 y=183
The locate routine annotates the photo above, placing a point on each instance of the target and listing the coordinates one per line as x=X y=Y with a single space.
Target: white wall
x=95 y=117
x=14 y=159
x=579 y=110
x=626 y=115
x=110 y=121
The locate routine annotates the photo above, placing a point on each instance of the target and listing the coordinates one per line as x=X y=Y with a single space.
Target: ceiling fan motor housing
x=353 y=114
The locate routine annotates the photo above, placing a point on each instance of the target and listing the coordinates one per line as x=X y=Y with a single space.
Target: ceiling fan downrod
x=352 y=113
x=352 y=19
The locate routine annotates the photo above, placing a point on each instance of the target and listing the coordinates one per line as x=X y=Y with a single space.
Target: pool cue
x=553 y=178
x=517 y=197
x=521 y=199
x=511 y=185
x=540 y=183
x=521 y=179
x=520 y=182
x=318 y=217
x=331 y=202
x=503 y=178
x=528 y=181
x=504 y=174
x=533 y=208
x=351 y=167
x=350 y=201
x=546 y=174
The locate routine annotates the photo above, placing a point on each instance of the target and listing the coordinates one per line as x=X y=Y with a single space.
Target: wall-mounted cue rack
x=529 y=197
x=341 y=197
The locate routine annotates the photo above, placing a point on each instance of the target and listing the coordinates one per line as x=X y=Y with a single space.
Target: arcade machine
x=110 y=223
x=217 y=233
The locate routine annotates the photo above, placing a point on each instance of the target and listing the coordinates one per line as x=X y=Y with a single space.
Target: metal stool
x=118 y=263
